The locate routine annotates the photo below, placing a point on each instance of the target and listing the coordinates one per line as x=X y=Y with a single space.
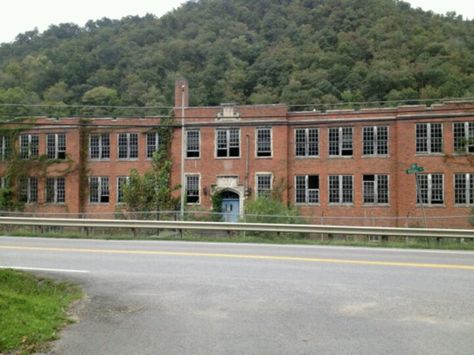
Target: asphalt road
x=203 y=298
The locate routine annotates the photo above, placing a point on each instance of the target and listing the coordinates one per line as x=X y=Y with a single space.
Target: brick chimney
x=181 y=93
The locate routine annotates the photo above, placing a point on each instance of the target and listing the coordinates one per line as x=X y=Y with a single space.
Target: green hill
x=245 y=51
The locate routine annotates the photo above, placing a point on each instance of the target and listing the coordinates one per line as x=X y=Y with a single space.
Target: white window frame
x=341 y=140
x=375 y=143
x=258 y=143
x=5 y=147
x=119 y=192
x=199 y=144
x=186 y=176
x=228 y=147
x=340 y=194
x=32 y=146
x=4 y=182
x=102 y=148
x=55 y=149
x=466 y=147
x=429 y=138
x=259 y=191
x=128 y=146
x=307 y=190
x=468 y=190
x=31 y=189
x=429 y=201
x=58 y=195
x=100 y=189
x=376 y=187
x=306 y=143
x=152 y=148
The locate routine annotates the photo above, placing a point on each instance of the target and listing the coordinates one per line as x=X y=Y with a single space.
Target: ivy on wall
x=152 y=191
x=16 y=167
x=83 y=167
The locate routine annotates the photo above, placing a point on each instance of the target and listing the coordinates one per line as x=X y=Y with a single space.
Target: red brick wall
x=402 y=209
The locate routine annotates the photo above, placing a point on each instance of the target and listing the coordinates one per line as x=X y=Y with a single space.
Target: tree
x=152 y=191
x=100 y=96
x=16 y=101
x=250 y=52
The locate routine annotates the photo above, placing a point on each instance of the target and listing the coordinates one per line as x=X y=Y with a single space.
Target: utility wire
x=382 y=102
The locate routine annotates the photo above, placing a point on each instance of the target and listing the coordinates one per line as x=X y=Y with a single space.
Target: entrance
x=230 y=206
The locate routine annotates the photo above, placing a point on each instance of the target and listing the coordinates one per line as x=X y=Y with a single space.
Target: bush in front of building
x=269 y=210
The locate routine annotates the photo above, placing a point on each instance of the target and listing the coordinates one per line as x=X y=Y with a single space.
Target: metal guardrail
x=255 y=227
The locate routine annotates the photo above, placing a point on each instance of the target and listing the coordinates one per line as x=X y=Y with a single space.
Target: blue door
x=230 y=206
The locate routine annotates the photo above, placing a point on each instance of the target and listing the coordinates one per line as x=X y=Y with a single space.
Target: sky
x=19 y=16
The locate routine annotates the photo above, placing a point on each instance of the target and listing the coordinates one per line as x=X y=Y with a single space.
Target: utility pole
x=415 y=169
x=183 y=184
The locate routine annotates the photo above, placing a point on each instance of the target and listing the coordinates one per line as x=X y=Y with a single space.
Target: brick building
x=340 y=166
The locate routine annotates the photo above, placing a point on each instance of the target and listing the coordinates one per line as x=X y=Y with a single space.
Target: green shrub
x=268 y=210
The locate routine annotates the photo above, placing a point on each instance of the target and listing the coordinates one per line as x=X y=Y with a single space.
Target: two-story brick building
x=341 y=166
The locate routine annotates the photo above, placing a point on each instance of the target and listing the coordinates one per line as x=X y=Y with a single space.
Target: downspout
x=247 y=169
x=247 y=162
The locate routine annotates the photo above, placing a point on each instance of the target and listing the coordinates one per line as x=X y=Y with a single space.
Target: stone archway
x=230 y=184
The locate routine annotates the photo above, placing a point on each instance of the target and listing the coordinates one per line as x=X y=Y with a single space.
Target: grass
x=32 y=310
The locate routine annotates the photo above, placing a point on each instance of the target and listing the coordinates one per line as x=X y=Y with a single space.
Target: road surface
x=148 y=297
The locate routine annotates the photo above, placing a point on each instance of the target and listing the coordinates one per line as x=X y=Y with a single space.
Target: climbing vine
x=83 y=167
x=463 y=157
x=16 y=167
x=153 y=191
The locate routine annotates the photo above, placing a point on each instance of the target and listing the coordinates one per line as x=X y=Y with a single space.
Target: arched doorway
x=230 y=206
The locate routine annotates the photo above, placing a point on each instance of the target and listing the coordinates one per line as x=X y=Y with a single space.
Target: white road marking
x=27 y=268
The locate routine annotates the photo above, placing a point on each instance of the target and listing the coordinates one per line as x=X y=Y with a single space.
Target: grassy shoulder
x=32 y=310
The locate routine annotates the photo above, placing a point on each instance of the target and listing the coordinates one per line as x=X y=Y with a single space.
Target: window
x=429 y=138
x=464 y=189
x=29 y=146
x=28 y=189
x=192 y=189
x=464 y=137
x=228 y=142
x=264 y=185
x=193 y=143
x=128 y=145
x=375 y=189
x=122 y=181
x=375 y=140
x=264 y=142
x=99 y=146
x=55 y=190
x=98 y=189
x=4 y=182
x=306 y=140
x=152 y=144
x=307 y=189
x=430 y=189
x=5 y=147
x=341 y=189
x=56 y=146
x=340 y=141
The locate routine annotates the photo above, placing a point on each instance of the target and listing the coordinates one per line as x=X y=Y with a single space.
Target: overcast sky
x=18 y=16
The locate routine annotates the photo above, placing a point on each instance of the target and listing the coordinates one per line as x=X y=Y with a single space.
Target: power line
x=315 y=104
x=8 y=119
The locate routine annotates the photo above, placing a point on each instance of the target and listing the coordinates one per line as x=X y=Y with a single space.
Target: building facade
x=337 y=167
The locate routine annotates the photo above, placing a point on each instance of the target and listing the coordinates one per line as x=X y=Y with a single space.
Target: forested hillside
x=245 y=51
